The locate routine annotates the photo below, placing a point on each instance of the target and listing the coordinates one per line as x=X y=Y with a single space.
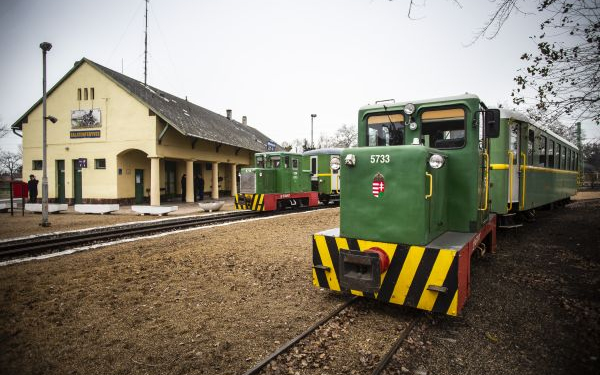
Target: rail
x=31 y=246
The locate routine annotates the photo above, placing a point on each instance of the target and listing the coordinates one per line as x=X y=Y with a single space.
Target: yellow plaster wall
x=125 y=125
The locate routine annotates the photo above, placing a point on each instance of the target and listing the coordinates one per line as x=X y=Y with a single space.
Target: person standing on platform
x=32 y=185
x=183 y=182
x=199 y=185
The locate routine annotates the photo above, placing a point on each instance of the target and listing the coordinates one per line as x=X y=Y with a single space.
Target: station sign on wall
x=85 y=134
x=86 y=118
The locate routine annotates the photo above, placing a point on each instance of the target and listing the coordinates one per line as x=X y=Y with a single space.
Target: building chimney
x=228 y=114
x=244 y=120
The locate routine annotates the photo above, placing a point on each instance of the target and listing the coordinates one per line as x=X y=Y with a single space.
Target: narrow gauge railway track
x=385 y=359
x=43 y=244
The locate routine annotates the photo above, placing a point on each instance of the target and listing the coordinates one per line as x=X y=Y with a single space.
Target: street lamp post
x=312 y=116
x=45 y=46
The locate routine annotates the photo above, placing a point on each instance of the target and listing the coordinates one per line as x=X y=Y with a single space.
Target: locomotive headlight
x=436 y=161
x=350 y=160
x=334 y=163
x=412 y=126
x=409 y=109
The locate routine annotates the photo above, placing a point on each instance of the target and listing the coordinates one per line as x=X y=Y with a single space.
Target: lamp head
x=52 y=119
x=45 y=46
x=313 y=115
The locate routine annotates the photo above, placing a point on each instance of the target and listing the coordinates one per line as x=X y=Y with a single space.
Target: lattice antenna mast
x=146 y=46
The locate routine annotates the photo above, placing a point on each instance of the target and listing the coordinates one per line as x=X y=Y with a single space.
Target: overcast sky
x=275 y=61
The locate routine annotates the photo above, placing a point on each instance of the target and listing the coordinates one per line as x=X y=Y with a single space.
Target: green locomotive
x=421 y=195
x=325 y=177
x=277 y=181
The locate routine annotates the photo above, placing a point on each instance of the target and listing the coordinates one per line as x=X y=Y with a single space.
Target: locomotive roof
x=510 y=114
x=323 y=151
x=442 y=99
x=276 y=153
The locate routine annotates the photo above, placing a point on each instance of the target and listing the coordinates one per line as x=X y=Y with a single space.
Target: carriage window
x=260 y=162
x=443 y=128
x=276 y=161
x=530 y=145
x=385 y=130
x=295 y=163
x=557 y=156
x=563 y=158
x=551 y=154
x=542 y=155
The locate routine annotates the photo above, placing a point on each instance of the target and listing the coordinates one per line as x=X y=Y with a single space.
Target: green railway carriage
x=324 y=172
x=414 y=207
x=278 y=180
x=529 y=167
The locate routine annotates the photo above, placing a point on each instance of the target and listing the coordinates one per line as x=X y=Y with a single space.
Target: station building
x=118 y=140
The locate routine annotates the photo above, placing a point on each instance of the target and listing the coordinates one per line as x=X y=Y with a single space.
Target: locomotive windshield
x=443 y=128
x=385 y=129
x=260 y=162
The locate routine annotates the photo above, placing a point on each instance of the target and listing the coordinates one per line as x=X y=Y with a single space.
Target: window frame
x=97 y=161
x=389 y=114
x=37 y=165
x=465 y=109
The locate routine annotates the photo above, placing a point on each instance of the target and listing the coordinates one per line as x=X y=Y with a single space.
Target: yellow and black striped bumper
x=254 y=202
x=421 y=277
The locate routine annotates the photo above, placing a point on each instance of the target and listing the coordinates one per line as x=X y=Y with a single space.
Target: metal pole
x=146 y=46
x=45 y=48
x=312 y=143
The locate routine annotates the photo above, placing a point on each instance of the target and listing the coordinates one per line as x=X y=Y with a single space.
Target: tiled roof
x=186 y=117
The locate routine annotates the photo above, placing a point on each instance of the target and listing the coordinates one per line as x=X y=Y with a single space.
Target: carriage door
x=314 y=171
x=335 y=178
x=514 y=146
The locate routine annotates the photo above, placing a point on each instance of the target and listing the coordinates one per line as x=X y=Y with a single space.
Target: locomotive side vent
x=248 y=182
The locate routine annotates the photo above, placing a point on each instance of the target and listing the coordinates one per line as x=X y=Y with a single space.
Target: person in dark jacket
x=32 y=186
x=199 y=187
x=183 y=182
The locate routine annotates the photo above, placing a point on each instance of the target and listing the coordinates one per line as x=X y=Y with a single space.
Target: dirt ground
x=216 y=300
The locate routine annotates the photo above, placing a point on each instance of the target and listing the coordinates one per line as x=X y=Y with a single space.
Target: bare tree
x=4 y=129
x=547 y=121
x=564 y=72
x=346 y=136
x=10 y=162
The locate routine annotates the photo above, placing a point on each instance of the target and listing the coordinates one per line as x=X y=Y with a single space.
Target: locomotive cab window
x=286 y=161
x=385 y=129
x=443 y=128
x=260 y=162
x=276 y=161
x=295 y=163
